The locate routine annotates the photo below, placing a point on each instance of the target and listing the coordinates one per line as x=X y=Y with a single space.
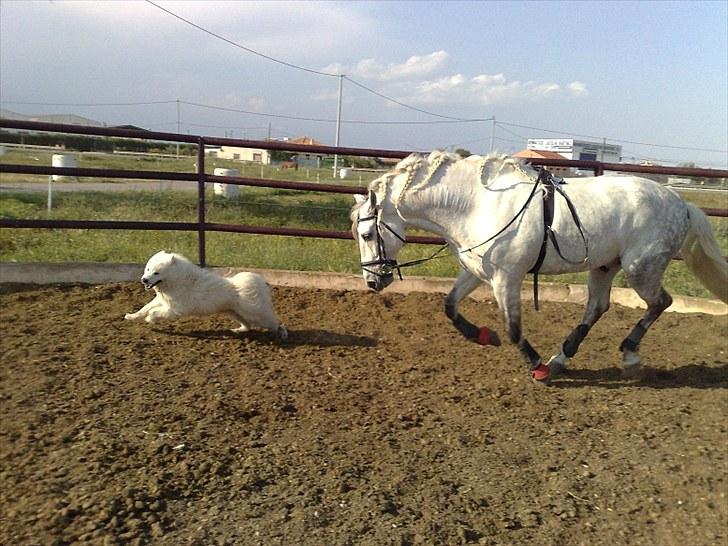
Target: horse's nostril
x=372 y=285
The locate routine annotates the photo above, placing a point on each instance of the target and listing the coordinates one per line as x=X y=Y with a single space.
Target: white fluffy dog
x=182 y=289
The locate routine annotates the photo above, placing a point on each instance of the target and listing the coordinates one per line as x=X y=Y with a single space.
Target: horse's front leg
x=465 y=283
x=508 y=295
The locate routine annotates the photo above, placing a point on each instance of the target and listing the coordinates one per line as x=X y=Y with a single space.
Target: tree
x=463 y=152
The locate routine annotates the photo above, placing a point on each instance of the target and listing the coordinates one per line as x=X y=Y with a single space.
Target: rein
x=545 y=179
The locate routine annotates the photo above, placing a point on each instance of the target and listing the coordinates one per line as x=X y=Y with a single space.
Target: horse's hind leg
x=464 y=284
x=600 y=286
x=647 y=282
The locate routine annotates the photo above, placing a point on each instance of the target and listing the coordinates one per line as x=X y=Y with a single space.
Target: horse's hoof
x=631 y=365
x=486 y=336
x=541 y=374
x=557 y=367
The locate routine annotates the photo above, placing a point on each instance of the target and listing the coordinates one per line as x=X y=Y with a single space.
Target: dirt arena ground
x=374 y=424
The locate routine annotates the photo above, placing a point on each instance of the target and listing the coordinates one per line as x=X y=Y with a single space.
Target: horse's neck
x=453 y=206
x=439 y=205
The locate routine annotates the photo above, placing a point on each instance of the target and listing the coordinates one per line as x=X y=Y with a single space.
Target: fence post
x=201 y=200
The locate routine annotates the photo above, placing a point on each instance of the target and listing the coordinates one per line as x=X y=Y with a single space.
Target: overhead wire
x=443 y=118
x=311 y=70
x=689 y=148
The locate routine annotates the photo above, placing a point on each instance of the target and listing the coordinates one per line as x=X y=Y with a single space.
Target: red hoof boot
x=484 y=336
x=540 y=373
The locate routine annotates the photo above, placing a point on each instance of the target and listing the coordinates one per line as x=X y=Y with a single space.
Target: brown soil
x=374 y=424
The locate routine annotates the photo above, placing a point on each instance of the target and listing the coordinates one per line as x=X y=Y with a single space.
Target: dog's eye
x=155 y=273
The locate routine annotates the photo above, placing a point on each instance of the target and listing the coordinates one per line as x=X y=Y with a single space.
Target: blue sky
x=650 y=76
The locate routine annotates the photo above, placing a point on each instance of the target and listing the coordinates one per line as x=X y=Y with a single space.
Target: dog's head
x=158 y=269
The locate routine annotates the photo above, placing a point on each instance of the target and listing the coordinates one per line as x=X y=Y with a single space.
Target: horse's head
x=379 y=232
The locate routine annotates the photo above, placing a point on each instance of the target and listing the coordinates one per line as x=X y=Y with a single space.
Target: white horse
x=487 y=211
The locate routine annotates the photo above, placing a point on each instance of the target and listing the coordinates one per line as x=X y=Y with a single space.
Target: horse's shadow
x=296 y=338
x=696 y=376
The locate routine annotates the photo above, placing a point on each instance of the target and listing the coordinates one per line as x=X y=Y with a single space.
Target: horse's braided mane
x=488 y=167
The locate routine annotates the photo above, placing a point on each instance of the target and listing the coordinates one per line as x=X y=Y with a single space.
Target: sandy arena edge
x=100 y=273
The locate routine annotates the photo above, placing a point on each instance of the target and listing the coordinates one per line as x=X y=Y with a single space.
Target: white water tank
x=63 y=160
x=228 y=191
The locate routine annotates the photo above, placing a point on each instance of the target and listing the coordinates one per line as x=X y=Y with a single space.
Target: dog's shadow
x=318 y=338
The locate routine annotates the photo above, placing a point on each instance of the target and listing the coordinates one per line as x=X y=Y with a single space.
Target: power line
x=347 y=78
x=511 y=132
x=249 y=50
x=90 y=104
x=249 y=112
x=501 y=124
x=614 y=139
x=325 y=120
x=348 y=121
x=309 y=70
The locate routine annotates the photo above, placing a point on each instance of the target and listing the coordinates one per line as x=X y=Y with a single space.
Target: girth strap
x=552 y=185
x=548 y=218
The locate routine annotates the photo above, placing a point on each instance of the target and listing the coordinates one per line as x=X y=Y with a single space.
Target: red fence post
x=201 y=178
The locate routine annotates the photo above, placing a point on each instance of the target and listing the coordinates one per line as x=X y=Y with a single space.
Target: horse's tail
x=703 y=255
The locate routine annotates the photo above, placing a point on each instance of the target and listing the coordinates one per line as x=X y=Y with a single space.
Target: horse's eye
x=366 y=237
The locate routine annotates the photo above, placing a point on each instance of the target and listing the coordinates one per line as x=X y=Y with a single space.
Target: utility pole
x=178 y=127
x=338 y=125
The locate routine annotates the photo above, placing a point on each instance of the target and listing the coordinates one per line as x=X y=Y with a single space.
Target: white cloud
x=411 y=82
x=486 y=89
x=578 y=89
x=416 y=66
x=442 y=86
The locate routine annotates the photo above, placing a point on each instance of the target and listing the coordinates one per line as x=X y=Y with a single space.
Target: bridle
x=388 y=265
x=544 y=178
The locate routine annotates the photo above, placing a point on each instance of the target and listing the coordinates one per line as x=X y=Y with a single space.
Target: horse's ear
x=359 y=199
x=372 y=199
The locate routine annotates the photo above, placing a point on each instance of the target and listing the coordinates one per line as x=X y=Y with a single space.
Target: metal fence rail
x=201 y=178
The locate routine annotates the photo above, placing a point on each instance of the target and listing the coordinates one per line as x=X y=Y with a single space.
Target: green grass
x=185 y=164
x=255 y=206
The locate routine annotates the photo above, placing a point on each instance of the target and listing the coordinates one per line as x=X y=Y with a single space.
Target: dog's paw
x=130 y=316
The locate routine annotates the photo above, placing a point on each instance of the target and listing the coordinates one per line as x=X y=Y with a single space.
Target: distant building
x=250 y=155
x=544 y=154
x=304 y=159
x=578 y=149
x=69 y=119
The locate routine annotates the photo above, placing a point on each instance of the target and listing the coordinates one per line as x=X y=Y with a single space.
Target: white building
x=578 y=149
x=253 y=155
